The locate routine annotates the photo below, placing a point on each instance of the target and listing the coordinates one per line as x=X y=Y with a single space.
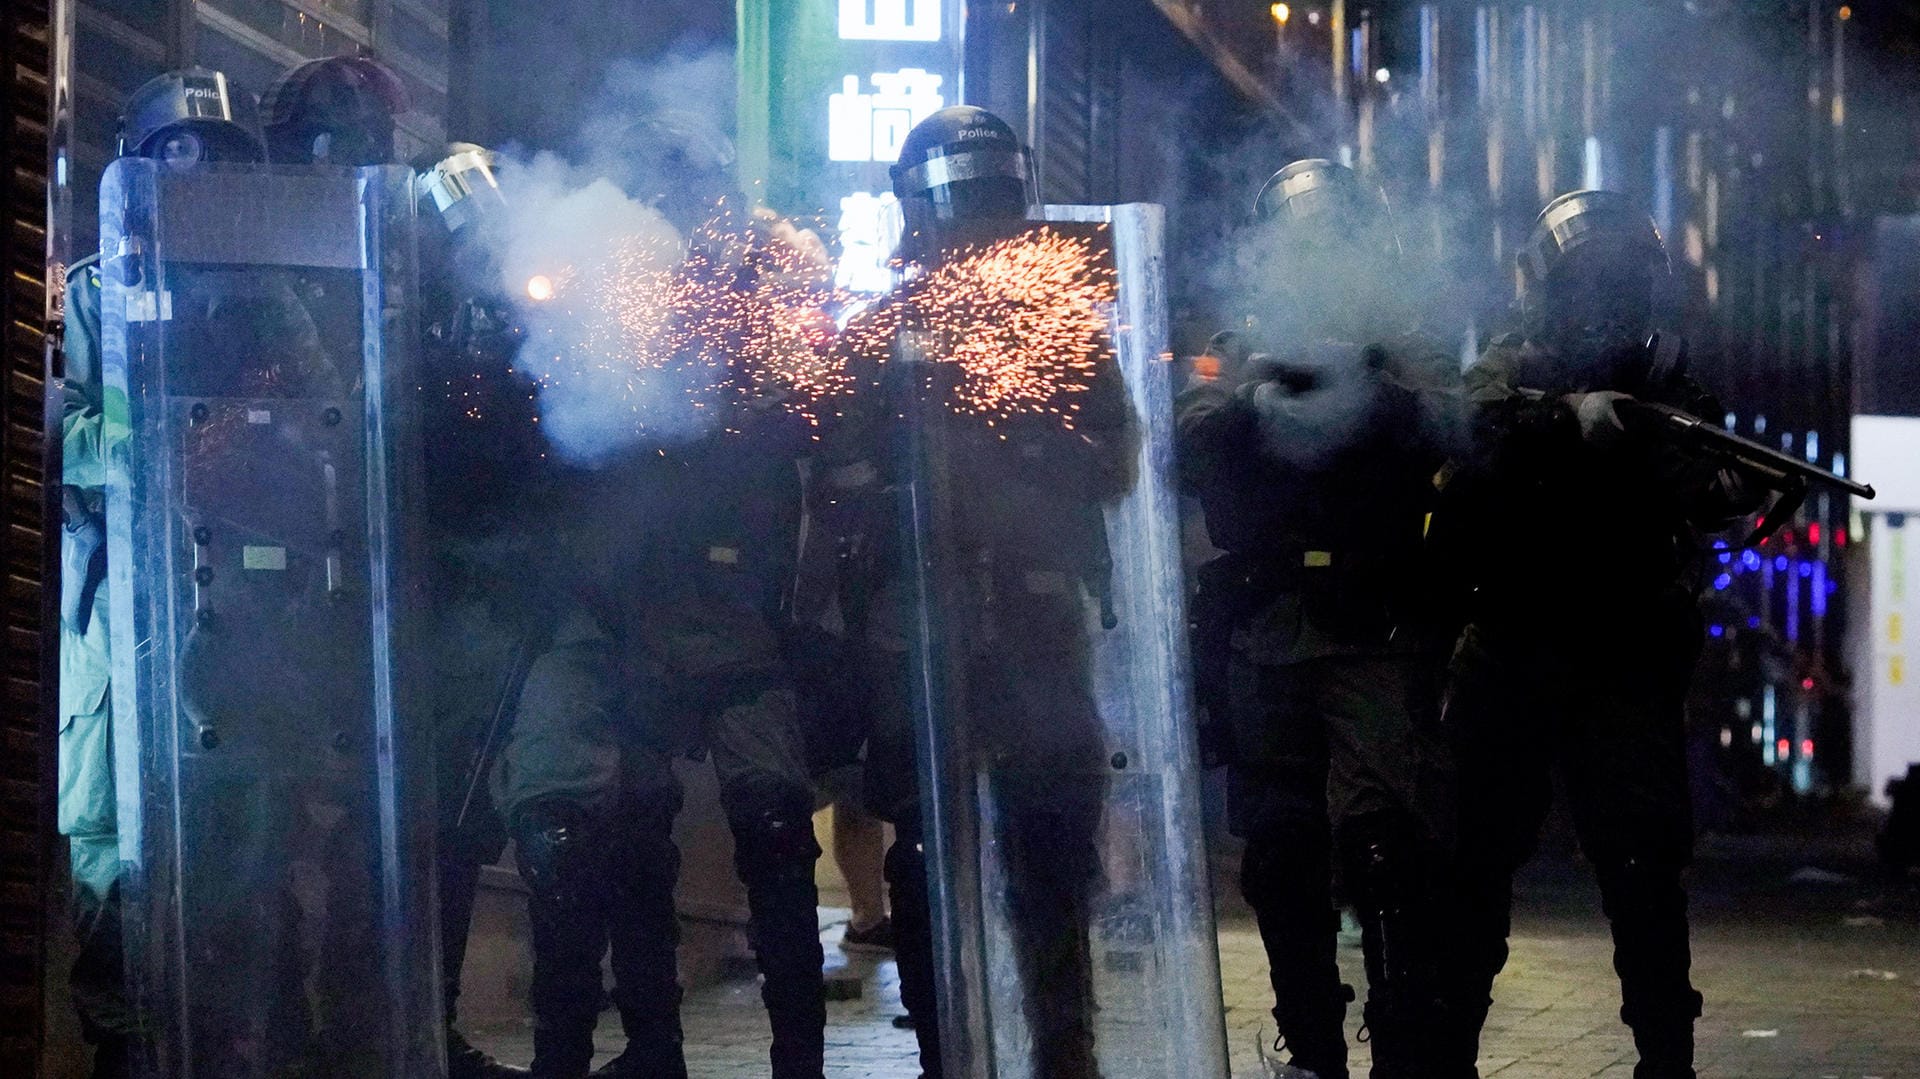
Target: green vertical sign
x=828 y=88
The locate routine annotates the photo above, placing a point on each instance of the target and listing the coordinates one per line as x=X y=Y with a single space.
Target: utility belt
x=1257 y=578
x=1358 y=596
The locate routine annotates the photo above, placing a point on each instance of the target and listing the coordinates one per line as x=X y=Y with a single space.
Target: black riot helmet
x=961 y=164
x=1588 y=275
x=191 y=116
x=1322 y=258
x=338 y=110
x=1317 y=203
x=461 y=187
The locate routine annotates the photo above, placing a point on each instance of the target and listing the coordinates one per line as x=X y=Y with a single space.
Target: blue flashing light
x=1721 y=582
x=1725 y=557
x=1806 y=569
x=1813 y=445
x=1753 y=621
x=1780 y=562
x=1717 y=630
x=1750 y=559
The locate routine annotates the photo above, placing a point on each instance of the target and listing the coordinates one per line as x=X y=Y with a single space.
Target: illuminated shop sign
x=829 y=91
x=890 y=20
x=894 y=74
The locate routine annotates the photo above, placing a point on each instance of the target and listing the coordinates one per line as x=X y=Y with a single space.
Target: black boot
x=1315 y=1038
x=1666 y=1051
x=774 y=854
x=1383 y=870
x=1647 y=907
x=1287 y=880
x=638 y=1064
x=644 y=929
x=567 y=907
x=466 y=1061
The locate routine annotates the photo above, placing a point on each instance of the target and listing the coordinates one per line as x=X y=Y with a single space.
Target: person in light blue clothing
x=184 y=118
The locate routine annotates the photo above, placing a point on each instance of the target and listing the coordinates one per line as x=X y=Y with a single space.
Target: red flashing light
x=1806 y=747
x=1806 y=683
x=1839 y=537
x=1813 y=533
x=1785 y=747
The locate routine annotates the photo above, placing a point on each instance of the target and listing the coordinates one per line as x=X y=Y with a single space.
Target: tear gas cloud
x=589 y=263
x=1453 y=277
x=589 y=267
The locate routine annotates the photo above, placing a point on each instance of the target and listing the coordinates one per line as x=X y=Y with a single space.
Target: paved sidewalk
x=1808 y=974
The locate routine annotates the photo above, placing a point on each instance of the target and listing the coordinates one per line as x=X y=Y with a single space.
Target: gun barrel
x=1719 y=440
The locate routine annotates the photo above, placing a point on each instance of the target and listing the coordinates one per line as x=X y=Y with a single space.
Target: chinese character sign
x=869 y=228
x=890 y=20
x=871 y=126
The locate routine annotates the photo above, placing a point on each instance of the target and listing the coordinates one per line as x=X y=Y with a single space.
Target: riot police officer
x=720 y=568
x=676 y=635
x=1315 y=471
x=589 y=796
x=484 y=483
x=1579 y=640
x=337 y=110
x=185 y=118
x=1023 y=548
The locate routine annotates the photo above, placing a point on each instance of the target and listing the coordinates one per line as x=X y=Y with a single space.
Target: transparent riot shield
x=1074 y=932
x=275 y=793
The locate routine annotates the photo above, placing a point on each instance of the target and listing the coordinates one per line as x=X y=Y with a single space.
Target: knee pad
x=775 y=846
x=906 y=864
x=554 y=852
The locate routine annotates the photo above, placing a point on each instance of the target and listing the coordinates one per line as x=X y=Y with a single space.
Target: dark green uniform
x=591 y=798
x=717 y=574
x=683 y=569
x=484 y=465
x=1020 y=540
x=1311 y=633
x=1575 y=661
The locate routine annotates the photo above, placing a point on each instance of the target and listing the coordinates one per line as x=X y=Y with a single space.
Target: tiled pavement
x=1806 y=977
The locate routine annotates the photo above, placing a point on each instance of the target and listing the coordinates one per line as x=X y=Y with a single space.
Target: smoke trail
x=591 y=252
x=592 y=269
